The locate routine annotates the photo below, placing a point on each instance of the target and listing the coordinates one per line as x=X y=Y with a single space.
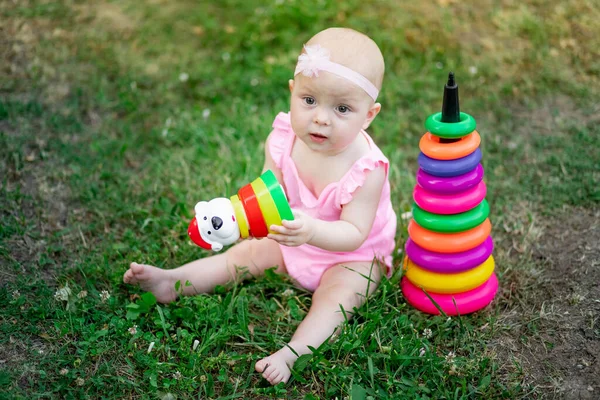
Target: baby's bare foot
x=276 y=367
x=158 y=281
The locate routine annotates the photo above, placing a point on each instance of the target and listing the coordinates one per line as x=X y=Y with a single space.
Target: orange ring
x=430 y=146
x=449 y=242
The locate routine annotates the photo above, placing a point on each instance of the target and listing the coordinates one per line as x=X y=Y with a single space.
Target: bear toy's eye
x=209 y=232
x=205 y=218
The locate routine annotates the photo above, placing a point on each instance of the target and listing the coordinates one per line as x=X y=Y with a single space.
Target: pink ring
x=449 y=262
x=452 y=203
x=449 y=184
x=466 y=302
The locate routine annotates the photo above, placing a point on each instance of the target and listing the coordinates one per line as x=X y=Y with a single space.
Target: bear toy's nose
x=217 y=223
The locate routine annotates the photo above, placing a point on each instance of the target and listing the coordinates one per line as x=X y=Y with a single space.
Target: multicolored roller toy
x=449 y=262
x=250 y=212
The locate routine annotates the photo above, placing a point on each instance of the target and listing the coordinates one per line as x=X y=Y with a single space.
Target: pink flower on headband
x=316 y=58
x=309 y=63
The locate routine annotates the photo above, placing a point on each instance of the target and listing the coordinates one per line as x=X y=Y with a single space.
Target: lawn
x=117 y=117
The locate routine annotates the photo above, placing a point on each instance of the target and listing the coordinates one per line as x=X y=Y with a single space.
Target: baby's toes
x=270 y=372
x=261 y=366
x=136 y=268
x=129 y=277
x=275 y=378
x=285 y=376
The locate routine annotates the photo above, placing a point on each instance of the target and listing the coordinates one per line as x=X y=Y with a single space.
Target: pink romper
x=306 y=264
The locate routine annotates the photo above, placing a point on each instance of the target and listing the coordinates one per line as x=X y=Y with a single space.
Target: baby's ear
x=291 y=85
x=371 y=114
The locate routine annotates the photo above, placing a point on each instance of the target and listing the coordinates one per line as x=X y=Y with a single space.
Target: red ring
x=258 y=228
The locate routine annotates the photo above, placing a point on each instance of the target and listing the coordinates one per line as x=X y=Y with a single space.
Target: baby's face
x=328 y=112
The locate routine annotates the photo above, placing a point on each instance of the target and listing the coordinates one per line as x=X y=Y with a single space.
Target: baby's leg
x=246 y=259
x=341 y=286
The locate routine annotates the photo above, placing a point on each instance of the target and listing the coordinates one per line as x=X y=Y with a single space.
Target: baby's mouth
x=317 y=137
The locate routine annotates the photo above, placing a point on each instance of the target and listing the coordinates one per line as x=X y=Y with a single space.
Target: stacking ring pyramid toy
x=250 y=212
x=449 y=250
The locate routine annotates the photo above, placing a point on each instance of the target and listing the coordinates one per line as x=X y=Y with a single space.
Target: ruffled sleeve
x=358 y=174
x=279 y=139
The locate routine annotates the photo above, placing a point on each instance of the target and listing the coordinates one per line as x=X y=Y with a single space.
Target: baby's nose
x=217 y=223
x=321 y=117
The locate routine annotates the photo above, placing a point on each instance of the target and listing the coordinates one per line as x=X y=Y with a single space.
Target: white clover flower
x=83 y=294
x=472 y=70
x=63 y=371
x=439 y=65
x=79 y=381
x=183 y=77
x=254 y=82
x=63 y=293
x=288 y=292
x=206 y=113
x=133 y=330
x=16 y=294
x=427 y=333
x=450 y=357
x=421 y=351
x=104 y=296
x=177 y=375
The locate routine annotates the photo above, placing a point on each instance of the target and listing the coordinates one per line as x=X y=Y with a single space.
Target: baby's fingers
x=277 y=229
x=295 y=224
x=281 y=239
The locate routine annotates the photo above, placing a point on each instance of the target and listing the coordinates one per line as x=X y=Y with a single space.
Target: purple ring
x=449 y=184
x=449 y=262
x=455 y=167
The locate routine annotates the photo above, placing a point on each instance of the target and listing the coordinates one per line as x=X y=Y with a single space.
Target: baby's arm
x=270 y=163
x=349 y=232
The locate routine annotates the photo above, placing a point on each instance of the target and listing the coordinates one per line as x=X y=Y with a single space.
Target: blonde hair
x=354 y=50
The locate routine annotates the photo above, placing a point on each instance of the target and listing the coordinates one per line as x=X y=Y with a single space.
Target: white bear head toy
x=215 y=225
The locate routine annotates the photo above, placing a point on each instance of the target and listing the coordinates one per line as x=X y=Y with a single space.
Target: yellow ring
x=266 y=203
x=240 y=216
x=448 y=283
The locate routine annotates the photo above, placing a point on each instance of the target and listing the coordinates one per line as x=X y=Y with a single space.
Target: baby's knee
x=253 y=257
x=341 y=294
x=238 y=257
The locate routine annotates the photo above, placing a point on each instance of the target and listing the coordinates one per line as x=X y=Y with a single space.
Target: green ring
x=450 y=130
x=451 y=223
x=281 y=202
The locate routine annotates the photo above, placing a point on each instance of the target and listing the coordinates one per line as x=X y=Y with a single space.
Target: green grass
x=104 y=150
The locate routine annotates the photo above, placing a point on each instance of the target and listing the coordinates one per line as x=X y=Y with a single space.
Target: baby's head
x=335 y=87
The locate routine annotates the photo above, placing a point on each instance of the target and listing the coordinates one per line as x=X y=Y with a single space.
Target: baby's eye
x=343 y=109
x=309 y=100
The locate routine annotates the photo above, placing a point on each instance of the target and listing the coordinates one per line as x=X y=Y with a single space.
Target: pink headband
x=316 y=59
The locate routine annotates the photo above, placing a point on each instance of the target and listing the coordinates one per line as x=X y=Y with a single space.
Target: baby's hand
x=296 y=232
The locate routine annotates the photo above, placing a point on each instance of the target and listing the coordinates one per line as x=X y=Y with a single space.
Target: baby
x=336 y=180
